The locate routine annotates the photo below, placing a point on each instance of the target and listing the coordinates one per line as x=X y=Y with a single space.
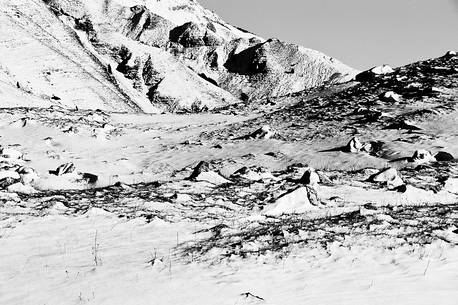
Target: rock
x=295 y=201
x=354 y=145
x=253 y=173
x=5 y=182
x=373 y=73
x=382 y=70
x=63 y=169
x=391 y=97
x=403 y=125
x=21 y=188
x=90 y=178
x=451 y=185
x=21 y=123
x=28 y=175
x=212 y=177
x=202 y=167
x=181 y=198
x=10 y=153
x=194 y=35
x=367 y=147
x=389 y=176
x=262 y=133
x=443 y=156
x=422 y=156
x=9 y=174
x=310 y=178
x=451 y=54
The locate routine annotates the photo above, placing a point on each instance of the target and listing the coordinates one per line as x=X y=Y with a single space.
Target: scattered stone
x=310 y=178
x=389 y=176
x=443 y=156
x=63 y=169
x=422 y=156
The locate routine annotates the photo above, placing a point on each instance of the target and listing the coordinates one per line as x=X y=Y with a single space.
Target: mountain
x=145 y=56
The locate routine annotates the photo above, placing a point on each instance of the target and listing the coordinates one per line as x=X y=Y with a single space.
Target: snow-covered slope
x=147 y=56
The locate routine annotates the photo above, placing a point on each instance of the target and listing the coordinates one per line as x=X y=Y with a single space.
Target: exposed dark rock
x=443 y=156
x=63 y=169
x=90 y=178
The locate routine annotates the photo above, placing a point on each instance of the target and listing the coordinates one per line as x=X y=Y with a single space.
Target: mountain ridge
x=149 y=56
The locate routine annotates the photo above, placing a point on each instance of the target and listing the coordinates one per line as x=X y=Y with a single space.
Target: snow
x=52 y=261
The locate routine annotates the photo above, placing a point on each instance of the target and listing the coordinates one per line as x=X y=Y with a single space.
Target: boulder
x=9 y=174
x=371 y=74
x=21 y=188
x=63 y=169
x=451 y=54
x=443 y=156
x=181 y=198
x=451 y=185
x=391 y=97
x=354 y=145
x=293 y=202
x=422 y=156
x=7 y=181
x=212 y=177
x=265 y=132
x=389 y=176
x=310 y=178
x=253 y=173
x=27 y=174
x=202 y=167
x=90 y=178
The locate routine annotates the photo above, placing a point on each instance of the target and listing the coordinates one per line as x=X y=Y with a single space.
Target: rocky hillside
x=147 y=56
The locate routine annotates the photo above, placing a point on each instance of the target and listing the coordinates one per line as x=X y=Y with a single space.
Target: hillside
x=150 y=56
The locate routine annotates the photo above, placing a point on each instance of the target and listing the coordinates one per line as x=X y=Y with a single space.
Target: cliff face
x=145 y=56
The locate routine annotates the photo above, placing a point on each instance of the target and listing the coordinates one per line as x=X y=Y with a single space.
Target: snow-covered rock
x=422 y=156
x=63 y=169
x=9 y=174
x=212 y=177
x=354 y=145
x=391 y=96
x=389 y=176
x=295 y=201
x=27 y=174
x=21 y=188
x=373 y=73
x=10 y=153
x=310 y=178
